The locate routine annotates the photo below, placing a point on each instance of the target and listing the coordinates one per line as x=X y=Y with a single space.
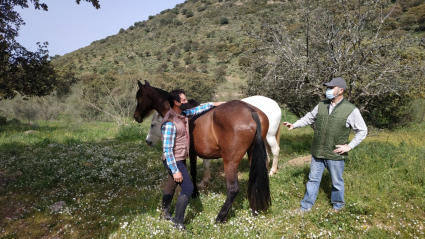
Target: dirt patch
x=300 y=161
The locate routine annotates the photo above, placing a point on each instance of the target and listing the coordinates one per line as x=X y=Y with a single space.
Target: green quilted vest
x=330 y=130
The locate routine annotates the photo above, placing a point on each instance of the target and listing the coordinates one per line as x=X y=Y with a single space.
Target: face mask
x=184 y=106
x=330 y=93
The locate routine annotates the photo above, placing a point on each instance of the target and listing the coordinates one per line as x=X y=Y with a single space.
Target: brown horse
x=228 y=131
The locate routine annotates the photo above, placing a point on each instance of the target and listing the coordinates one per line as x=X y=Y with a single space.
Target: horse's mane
x=161 y=91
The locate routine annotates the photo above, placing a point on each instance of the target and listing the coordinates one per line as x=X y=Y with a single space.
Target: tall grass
x=112 y=183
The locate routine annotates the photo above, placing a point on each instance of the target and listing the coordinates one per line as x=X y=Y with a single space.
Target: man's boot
x=181 y=205
x=166 y=202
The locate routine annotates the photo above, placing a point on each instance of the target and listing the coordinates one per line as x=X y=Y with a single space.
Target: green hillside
x=212 y=41
x=194 y=36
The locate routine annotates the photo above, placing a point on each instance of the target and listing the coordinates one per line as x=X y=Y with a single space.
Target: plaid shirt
x=168 y=131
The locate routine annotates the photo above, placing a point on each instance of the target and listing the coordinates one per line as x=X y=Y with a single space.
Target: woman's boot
x=166 y=202
x=181 y=205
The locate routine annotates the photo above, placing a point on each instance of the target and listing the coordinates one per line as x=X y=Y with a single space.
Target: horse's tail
x=258 y=188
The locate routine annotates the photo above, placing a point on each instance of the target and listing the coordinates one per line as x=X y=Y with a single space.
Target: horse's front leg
x=231 y=172
x=193 y=159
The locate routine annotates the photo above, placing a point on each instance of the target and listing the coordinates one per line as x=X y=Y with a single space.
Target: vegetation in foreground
x=97 y=180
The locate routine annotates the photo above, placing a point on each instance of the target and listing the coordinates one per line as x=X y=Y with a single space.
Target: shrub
x=3 y=120
x=235 y=50
x=161 y=68
x=121 y=30
x=187 y=46
x=189 y=14
x=408 y=21
x=222 y=56
x=195 y=46
x=244 y=61
x=202 y=57
x=184 y=11
x=419 y=13
x=165 y=21
x=202 y=8
x=203 y=68
x=176 y=64
x=220 y=73
x=187 y=59
x=177 y=53
x=150 y=17
x=224 y=20
x=221 y=47
x=165 y=11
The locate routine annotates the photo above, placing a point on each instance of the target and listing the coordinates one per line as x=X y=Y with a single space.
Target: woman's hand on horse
x=178 y=178
x=219 y=103
x=289 y=125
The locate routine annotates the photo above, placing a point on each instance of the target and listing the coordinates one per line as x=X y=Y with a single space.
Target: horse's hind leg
x=268 y=152
x=231 y=171
x=274 y=148
x=207 y=173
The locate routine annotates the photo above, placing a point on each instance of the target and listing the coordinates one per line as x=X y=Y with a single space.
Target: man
x=334 y=118
x=175 y=138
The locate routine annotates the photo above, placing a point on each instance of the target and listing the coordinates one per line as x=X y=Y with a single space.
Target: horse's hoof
x=272 y=172
x=195 y=194
x=203 y=184
x=220 y=221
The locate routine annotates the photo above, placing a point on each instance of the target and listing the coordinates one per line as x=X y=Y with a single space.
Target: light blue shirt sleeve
x=198 y=109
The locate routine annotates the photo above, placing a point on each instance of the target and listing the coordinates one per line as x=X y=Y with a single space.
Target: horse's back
x=236 y=115
x=230 y=123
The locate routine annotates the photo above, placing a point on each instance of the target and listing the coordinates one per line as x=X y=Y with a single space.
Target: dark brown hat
x=337 y=82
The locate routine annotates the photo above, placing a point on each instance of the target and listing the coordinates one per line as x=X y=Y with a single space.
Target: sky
x=68 y=26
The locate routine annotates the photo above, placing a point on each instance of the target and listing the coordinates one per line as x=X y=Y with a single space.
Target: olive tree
x=22 y=71
x=348 y=39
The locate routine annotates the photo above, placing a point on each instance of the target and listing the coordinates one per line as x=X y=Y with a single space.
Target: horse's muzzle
x=138 y=119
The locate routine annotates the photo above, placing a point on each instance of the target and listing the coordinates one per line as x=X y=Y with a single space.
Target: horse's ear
x=140 y=84
x=147 y=83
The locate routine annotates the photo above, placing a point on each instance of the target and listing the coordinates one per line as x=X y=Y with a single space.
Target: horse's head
x=144 y=102
x=154 y=134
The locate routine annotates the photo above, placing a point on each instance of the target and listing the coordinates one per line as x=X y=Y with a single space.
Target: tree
x=346 y=39
x=22 y=71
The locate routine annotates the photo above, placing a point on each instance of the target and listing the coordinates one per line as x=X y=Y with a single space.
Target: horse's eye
x=152 y=125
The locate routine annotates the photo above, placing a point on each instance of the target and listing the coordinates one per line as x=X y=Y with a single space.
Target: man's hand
x=178 y=178
x=340 y=149
x=219 y=103
x=289 y=125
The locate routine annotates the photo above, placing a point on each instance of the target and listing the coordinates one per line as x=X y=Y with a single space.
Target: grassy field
x=97 y=180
